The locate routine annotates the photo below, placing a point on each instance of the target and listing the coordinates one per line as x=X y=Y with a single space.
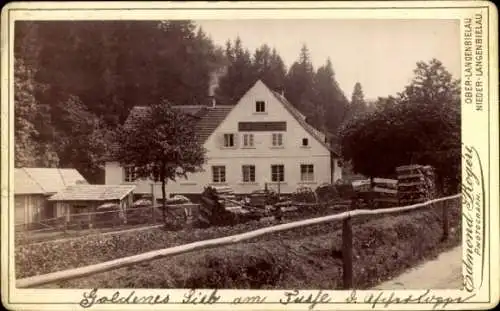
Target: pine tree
x=239 y=75
x=358 y=105
x=299 y=84
x=269 y=67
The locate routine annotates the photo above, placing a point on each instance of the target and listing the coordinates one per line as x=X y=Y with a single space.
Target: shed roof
x=30 y=180
x=93 y=193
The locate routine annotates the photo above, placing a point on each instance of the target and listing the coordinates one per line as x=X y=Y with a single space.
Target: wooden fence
x=347 y=237
x=105 y=219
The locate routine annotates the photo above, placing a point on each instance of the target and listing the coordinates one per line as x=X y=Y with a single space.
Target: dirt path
x=444 y=272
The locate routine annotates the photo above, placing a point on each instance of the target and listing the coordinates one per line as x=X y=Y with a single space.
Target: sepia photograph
x=246 y=154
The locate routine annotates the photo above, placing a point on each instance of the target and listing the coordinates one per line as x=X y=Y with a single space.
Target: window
x=305 y=142
x=277 y=173
x=248 y=173
x=129 y=174
x=306 y=172
x=277 y=139
x=218 y=174
x=228 y=140
x=247 y=140
x=260 y=106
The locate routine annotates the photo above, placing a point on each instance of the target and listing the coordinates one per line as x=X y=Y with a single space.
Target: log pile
x=219 y=207
x=416 y=183
x=385 y=192
x=211 y=207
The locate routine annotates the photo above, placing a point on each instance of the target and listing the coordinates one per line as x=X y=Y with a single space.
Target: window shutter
x=220 y=140
x=236 y=140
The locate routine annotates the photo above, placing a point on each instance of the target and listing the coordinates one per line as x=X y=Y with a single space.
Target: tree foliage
x=358 y=105
x=421 y=125
x=329 y=99
x=161 y=145
x=85 y=76
x=239 y=73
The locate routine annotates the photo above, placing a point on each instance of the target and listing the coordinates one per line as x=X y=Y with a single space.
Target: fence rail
x=218 y=242
x=98 y=219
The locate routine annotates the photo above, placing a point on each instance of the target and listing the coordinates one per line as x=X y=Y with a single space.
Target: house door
x=50 y=210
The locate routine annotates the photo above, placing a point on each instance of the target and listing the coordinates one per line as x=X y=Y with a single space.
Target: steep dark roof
x=207 y=118
x=210 y=119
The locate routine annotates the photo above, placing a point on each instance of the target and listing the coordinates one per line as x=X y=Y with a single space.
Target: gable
x=277 y=110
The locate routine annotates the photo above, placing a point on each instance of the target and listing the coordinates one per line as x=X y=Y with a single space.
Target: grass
x=310 y=257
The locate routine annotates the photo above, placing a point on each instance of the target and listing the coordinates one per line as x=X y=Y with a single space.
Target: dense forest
x=75 y=81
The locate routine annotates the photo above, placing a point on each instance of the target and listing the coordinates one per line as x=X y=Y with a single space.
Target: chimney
x=282 y=92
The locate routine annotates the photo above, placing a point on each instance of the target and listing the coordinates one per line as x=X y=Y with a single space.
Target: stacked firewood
x=219 y=207
x=416 y=183
x=211 y=207
x=385 y=192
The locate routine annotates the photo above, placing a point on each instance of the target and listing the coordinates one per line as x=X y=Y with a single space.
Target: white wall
x=29 y=208
x=291 y=155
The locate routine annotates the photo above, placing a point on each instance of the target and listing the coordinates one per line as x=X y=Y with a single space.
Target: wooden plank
x=410 y=176
x=384 y=190
x=359 y=183
x=385 y=181
x=411 y=184
x=207 y=244
x=408 y=167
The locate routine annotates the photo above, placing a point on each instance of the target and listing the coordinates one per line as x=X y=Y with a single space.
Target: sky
x=379 y=54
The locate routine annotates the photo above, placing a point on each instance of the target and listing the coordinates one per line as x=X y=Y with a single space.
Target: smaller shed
x=84 y=202
x=33 y=186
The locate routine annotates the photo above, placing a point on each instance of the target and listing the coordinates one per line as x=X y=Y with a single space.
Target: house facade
x=260 y=140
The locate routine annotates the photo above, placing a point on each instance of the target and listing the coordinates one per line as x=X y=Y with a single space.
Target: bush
x=304 y=195
x=327 y=193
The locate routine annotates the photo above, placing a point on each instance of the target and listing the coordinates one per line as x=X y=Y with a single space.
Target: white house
x=262 y=139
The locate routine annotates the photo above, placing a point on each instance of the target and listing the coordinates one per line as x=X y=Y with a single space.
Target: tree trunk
x=371 y=194
x=440 y=185
x=164 y=201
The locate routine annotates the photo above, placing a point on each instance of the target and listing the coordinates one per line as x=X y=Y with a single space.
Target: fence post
x=446 y=224
x=347 y=250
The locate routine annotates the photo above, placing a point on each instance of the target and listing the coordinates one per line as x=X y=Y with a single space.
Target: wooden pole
x=446 y=224
x=347 y=250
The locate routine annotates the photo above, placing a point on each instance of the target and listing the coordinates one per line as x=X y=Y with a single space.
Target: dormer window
x=260 y=106
x=305 y=142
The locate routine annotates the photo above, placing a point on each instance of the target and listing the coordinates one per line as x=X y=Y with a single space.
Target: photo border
x=7 y=110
